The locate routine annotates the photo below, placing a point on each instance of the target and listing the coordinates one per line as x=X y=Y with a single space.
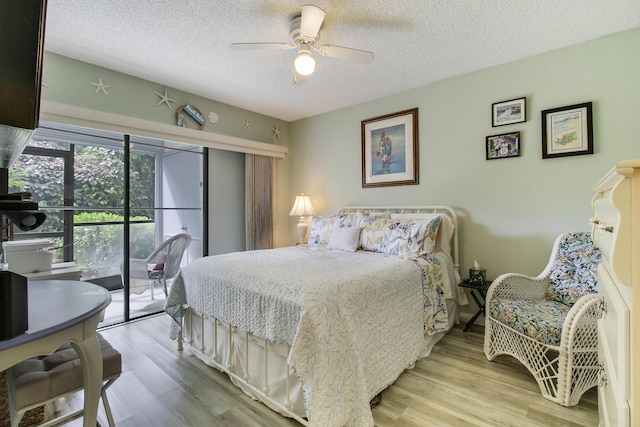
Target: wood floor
x=455 y=386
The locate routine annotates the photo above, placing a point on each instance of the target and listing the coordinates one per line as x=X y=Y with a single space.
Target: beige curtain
x=258 y=205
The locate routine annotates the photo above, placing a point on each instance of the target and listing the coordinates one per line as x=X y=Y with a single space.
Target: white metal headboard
x=441 y=209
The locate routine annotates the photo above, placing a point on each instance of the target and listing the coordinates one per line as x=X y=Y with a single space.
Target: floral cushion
x=540 y=320
x=405 y=238
x=322 y=227
x=574 y=270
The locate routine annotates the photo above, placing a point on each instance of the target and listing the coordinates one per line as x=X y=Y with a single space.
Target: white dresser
x=616 y=231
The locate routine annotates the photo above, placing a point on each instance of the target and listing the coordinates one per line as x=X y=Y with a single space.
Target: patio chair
x=160 y=266
x=549 y=322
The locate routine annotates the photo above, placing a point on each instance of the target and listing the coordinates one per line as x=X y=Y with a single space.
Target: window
x=92 y=201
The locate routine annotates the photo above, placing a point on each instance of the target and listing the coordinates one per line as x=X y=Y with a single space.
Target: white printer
x=28 y=256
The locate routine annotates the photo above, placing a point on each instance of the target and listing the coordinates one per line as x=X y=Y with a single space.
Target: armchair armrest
x=578 y=369
x=138 y=268
x=580 y=326
x=518 y=286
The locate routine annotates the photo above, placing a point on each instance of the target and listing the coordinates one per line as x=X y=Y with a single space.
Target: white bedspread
x=354 y=320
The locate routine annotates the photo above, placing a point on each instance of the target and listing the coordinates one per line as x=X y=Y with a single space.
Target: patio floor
x=139 y=306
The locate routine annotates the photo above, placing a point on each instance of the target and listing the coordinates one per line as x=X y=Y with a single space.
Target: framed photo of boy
x=390 y=149
x=567 y=131
x=508 y=112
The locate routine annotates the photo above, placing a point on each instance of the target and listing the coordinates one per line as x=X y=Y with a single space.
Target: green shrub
x=99 y=249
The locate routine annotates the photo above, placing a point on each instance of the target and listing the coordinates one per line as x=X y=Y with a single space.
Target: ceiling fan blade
x=298 y=79
x=355 y=55
x=267 y=45
x=311 y=20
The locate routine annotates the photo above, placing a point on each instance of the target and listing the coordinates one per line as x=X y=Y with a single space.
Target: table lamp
x=302 y=207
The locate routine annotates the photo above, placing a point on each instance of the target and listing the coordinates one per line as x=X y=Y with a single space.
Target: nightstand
x=478 y=293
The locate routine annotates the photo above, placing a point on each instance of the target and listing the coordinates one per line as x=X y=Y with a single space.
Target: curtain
x=258 y=206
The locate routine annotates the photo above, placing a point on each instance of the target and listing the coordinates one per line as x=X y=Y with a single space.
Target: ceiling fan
x=305 y=32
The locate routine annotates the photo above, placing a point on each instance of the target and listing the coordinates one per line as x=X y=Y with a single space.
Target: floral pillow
x=574 y=269
x=322 y=227
x=405 y=238
x=422 y=238
x=445 y=231
x=384 y=235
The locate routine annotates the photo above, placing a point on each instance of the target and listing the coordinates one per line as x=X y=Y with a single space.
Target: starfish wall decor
x=164 y=99
x=277 y=133
x=101 y=87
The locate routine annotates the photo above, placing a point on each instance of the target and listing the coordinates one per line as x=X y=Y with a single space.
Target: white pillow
x=345 y=239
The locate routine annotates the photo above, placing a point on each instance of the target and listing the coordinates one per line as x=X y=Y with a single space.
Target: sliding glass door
x=158 y=218
x=110 y=198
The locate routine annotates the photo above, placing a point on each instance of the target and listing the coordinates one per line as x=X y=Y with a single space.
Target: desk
x=63 y=311
x=479 y=293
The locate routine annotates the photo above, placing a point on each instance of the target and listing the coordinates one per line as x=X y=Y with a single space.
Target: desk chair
x=36 y=381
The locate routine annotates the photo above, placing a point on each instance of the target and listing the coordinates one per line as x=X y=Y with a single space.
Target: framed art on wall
x=502 y=146
x=567 y=131
x=508 y=112
x=390 y=149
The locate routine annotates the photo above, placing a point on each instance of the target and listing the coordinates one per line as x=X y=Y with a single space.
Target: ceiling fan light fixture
x=311 y=20
x=304 y=63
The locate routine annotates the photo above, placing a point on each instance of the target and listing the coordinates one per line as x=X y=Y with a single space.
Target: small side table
x=479 y=293
x=59 y=271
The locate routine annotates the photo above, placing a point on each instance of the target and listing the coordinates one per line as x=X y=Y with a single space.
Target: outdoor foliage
x=99 y=248
x=98 y=177
x=98 y=183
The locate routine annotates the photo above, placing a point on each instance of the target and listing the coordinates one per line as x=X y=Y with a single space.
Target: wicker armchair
x=161 y=265
x=549 y=322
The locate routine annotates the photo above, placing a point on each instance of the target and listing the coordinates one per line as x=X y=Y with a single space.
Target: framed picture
x=567 y=131
x=508 y=112
x=390 y=149
x=502 y=146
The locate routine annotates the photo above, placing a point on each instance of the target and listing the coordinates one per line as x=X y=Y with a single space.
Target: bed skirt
x=256 y=366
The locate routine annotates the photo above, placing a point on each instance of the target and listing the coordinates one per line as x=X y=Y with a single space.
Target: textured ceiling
x=185 y=44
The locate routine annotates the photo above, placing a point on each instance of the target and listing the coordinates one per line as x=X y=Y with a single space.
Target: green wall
x=68 y=81
x=510 y=210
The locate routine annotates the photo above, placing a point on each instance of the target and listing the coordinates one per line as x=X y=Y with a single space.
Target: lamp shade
x=302 y=206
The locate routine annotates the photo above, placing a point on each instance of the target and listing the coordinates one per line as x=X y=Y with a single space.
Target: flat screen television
x=22 y=24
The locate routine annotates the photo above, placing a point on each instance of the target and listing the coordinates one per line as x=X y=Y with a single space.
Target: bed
x=317 y=331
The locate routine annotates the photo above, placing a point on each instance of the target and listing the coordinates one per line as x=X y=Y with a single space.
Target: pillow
x=374 y=214
x=422 y=238
x=345 y=239
x=405 y=238
x=155 y=271
x=322 y=227
x=415 y=216
x=575 y=267
x=445 y=232
x=384 y=235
